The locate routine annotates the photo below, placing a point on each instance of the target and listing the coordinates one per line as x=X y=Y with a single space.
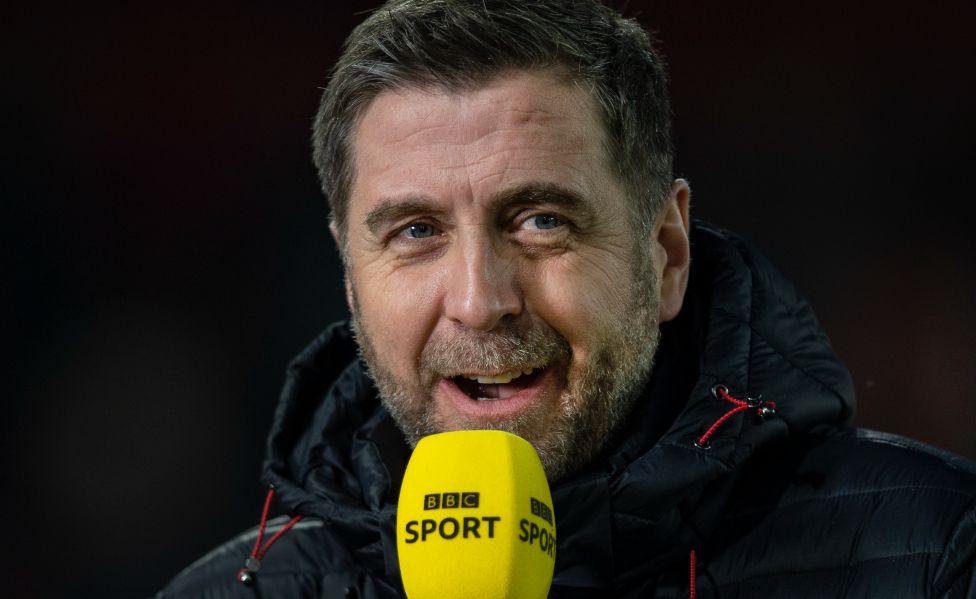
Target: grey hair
x=461 y=44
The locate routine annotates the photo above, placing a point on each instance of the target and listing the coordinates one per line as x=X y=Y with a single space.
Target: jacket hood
x=335 y=453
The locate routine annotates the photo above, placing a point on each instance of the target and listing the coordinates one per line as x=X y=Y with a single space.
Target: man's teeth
x=500 y=379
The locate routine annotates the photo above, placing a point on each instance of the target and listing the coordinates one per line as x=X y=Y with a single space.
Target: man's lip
x=495 y=408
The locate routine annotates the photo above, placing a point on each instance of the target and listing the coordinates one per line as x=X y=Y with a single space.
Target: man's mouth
x=500 y=395
x=485 y=387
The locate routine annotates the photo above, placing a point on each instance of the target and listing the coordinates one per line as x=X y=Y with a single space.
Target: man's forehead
x=514 y=95
x=408 y=139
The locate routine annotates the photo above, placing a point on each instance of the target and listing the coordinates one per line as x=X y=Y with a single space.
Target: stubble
x=568 y=431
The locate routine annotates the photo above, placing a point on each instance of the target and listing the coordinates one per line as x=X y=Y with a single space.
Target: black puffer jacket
x=795 y=506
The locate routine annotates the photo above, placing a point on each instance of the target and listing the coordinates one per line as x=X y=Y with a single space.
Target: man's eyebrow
x=546 y=193
x=394 y=209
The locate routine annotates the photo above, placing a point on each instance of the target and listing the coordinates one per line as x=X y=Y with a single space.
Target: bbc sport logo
x=449 y=527
x=452 y=500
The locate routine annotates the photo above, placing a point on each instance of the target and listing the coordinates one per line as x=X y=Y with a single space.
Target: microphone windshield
x=475 y=518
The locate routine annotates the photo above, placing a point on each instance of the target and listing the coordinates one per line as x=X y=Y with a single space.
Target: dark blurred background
x=170 y=254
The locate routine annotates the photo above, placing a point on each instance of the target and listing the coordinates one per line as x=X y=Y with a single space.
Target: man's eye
x=418 y=230
x=543 y=221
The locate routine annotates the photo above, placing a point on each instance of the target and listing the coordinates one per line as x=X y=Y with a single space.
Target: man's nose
x=482 y=286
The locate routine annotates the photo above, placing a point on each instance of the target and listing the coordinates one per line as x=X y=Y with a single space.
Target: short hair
x=462 y=44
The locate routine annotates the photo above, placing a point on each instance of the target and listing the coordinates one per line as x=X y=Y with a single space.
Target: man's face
x=487 y=239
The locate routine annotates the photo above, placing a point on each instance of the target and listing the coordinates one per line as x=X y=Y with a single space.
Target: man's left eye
x=418 y=230
x=543 y=221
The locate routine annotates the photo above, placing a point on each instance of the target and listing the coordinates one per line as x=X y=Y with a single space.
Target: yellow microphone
x=475 y=519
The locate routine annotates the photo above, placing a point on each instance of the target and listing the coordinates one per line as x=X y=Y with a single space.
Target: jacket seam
x=899 y=556
x=912 y=445
x=941 y=588
x=847 y=495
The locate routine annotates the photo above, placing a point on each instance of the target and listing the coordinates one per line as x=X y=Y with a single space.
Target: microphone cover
x=475 y=519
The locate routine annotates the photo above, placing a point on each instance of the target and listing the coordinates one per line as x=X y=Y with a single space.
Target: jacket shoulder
x=861 y=510
x=862 y=460
x=307 y=561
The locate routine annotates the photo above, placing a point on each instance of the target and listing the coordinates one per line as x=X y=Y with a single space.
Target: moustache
x=501 y=350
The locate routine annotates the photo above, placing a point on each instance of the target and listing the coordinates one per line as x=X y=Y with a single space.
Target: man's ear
x=334 y=229
x=671 y=250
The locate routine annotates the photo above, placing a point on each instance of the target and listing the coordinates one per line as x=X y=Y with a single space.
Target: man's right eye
x=418 y=230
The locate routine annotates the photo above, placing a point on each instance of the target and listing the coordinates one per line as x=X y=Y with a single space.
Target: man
x=518 y=256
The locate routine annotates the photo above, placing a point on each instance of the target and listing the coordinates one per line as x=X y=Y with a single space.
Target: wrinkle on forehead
x=393 y=116
x=515 y=110
x=543 y=128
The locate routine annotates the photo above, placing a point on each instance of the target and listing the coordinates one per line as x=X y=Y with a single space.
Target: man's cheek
x=398 y=312
x=566 y=305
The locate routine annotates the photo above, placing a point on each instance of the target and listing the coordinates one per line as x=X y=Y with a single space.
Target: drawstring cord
x=253 y=563
x=764 y=409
